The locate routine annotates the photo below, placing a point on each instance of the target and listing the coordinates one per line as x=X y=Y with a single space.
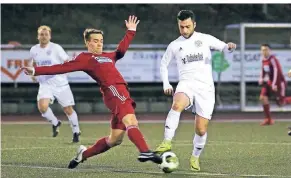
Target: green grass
x=233 y=150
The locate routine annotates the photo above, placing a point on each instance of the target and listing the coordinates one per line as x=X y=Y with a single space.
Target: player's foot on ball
x=76 y=137
x=56 y=128
x=150 y=156
x=78 y=159
x=194 y=163
x=166 y=145
x=267 y=122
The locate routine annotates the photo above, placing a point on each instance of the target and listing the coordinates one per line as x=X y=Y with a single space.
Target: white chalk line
x=141 y=121
x=177 y=143
x=143 y=172
x=174 y=142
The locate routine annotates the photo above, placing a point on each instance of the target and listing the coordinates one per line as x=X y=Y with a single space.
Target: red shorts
x=117 y=100
x=279 y=94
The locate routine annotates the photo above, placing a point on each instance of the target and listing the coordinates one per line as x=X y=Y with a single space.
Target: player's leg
x=204 y=105
x=181 y=100
x=102 y=145
x=65 y=98
x=264 y=98
x=282 y=94
x=137 y=138
x=44 y=99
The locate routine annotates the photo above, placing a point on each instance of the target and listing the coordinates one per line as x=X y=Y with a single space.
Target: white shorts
x=63 y=94
x=201 y=97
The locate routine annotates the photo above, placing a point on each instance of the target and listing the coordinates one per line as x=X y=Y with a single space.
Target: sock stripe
x=131 y=127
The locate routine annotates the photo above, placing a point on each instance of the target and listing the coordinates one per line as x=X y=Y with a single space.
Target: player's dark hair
x=266 y=45
x=90 y=31
x=185 y=14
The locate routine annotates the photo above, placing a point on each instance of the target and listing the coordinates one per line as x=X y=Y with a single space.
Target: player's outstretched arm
x=167 y=57
x=74 y=65
x=131 y=25
x=220 y=45
x=289 y=73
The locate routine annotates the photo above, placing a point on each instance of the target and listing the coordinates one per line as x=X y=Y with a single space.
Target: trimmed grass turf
x=233 y=150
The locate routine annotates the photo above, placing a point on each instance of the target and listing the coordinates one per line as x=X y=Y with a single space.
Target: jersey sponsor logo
x=266 y=68
x=101 y=59
x=44 y=63
x=198 y=43
x=192 y=58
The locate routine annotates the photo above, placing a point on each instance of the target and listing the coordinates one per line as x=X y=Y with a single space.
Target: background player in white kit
x=53 y=87
x=192 y=53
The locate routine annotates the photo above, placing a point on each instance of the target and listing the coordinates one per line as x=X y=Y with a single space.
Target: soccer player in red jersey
x=101 y=67
x=272 y=81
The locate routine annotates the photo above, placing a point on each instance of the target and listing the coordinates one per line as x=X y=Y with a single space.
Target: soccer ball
x=170 y=162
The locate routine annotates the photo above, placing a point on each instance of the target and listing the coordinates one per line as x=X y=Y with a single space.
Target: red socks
x=267 y=111
x=99 y=147
x=136 y=137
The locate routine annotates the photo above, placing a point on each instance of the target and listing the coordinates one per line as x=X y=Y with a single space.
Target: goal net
x=237 y=80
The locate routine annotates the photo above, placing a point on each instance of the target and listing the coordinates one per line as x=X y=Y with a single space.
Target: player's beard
x=44 y=42
x=189 y=36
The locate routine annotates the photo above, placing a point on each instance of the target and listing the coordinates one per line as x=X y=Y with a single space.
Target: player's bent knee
x=42 y=108
x=264 y=100
x=68 y=110
x=178 y=106
x=129 y=120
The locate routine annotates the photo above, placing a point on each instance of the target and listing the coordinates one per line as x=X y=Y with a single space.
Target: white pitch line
x=174 y=142
x=141 y=121
x=212 y=143
x=144 y=172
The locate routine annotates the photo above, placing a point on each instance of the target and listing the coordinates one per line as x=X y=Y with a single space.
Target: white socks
x=198 y=144
x=73 y=119
x=49 y=115
x=171 y=125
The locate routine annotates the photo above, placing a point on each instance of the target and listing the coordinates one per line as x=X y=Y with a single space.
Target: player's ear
x=194 y=24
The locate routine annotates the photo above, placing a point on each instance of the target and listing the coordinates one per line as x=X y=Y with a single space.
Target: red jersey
x=272 y=71
x=101 y=67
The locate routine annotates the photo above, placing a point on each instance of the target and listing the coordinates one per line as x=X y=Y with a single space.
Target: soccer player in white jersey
x=192 y=52
x=47 y=53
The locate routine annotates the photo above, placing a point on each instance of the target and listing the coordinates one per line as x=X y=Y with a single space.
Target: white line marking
x=143 y=172
x=142 y=121
x=222 y=142
x=177 y=143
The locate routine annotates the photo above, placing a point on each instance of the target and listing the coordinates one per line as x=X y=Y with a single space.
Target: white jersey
x=193 y=57
x=52 y=54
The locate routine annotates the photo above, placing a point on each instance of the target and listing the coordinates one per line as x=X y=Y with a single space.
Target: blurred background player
x=273 y=83
x=101 y=67
x=289 y=132
x=47 y=53
x=192 y=53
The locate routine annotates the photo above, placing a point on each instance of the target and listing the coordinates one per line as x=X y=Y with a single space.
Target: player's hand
x=260 y=82
x=28 y=70
x=132 y=22
x=168 y=89
x=33 y=79
x=289 y=73
x=231 y=46
x=274 y=87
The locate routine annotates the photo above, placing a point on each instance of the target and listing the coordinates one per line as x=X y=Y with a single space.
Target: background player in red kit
x=272 y=81
x=101 y=67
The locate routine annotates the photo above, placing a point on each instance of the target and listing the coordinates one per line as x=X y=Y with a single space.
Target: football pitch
x=234 y=149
